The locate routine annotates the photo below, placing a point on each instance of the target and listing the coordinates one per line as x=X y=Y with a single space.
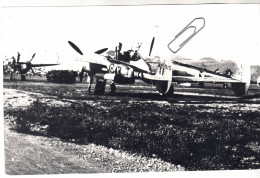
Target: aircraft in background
x=128 y=66
x=24 y=67
x=239 y=79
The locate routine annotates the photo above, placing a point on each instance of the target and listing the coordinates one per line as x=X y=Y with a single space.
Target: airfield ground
x=135 y=130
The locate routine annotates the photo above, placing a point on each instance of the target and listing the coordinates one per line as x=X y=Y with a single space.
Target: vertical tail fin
x=243 y=74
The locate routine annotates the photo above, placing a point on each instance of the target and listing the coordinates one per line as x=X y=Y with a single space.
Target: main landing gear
x=112 y=88
x=225 y=85
x=23 y=77
x=101 y=86
x=201 y=84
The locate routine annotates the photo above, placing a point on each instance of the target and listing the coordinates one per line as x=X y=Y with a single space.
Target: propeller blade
x=75 y=47
x=32 y=70
x=116 y=53
x=14 y=61
x=13 y=65
x=151 y=47
x=101 y=51
x=32 y=57
x=18 y=57
x=119 y=47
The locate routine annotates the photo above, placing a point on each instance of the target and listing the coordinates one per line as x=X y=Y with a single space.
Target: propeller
x=101 y=51
x=75 y=47
x=151 y=47
x=32 y=57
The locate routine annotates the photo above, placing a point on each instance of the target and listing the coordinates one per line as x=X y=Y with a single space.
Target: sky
x=231 y=32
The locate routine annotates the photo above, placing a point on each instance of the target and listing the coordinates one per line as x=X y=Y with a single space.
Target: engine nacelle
x=92 y=68
x=258 y=81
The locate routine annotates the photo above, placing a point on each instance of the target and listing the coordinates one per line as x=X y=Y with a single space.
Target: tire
x=112 y=89
x=12 y=77
x=201 y=84
x=100 y=88
x=225 y=85
x=23 y=77
x=239 y=88
x=170 y=92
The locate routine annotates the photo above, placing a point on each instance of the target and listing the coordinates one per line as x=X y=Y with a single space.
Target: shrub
x=196 y=140
x=62 y=76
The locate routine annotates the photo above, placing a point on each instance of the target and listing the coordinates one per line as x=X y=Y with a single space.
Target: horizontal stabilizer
x=42 y=65
x=154 y=77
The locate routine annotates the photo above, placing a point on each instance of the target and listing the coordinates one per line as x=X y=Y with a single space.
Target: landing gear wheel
x=201 y=84
x=170 y=92
x=12 y=76
x=100 y=87
x=225 y=86
x=239 y=88
x=112 y=88
x=23 y=77
x=81 y=76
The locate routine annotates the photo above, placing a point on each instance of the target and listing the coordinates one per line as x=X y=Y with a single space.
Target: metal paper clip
x=194 y=27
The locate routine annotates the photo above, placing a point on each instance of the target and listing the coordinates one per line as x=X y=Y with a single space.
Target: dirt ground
x=28 y=154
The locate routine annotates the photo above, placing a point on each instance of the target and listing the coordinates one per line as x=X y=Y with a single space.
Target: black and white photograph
x=130 y=87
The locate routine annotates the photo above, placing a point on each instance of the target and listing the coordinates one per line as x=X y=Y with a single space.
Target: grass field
x=200 y=137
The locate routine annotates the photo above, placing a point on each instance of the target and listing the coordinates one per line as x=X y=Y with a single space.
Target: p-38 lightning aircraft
x=126 y=67
x=23 y=67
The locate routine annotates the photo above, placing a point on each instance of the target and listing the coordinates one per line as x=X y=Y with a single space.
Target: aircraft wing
x=203 y=79
x=42 y=65
x=111 y=76
x=94 y=59
x=154 y=77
